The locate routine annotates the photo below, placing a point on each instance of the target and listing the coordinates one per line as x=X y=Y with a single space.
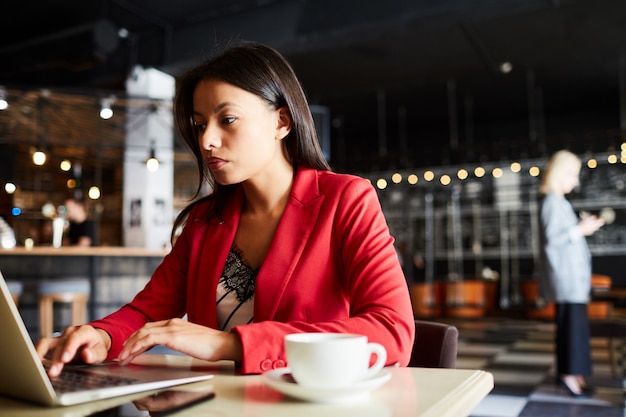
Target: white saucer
x=280 y=380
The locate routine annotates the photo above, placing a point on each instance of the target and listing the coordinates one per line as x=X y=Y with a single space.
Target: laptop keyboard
x=71 y=380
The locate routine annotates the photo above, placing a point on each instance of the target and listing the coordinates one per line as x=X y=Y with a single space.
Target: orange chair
x=427 y=299
x=465 y=298
x=530 y=293
x=595 y=309
x=600 y=309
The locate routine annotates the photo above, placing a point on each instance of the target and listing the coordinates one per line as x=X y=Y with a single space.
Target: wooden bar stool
x=15 y=288
x=72 y=291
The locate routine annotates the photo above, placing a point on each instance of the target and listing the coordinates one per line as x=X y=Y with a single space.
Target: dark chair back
x=435 y=345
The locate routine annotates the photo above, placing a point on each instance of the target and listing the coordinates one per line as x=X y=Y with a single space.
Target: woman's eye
x=228 y=120
x=200 y=127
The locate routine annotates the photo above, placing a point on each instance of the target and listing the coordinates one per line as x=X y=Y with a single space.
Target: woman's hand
x=588 y=223
x=182 y=336
x=78 y=343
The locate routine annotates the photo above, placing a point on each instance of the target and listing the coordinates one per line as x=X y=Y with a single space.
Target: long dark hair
x=262 y=71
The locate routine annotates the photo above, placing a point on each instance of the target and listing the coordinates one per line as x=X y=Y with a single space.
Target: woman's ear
x=284 y=123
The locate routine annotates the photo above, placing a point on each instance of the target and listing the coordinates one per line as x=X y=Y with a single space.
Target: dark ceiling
x=408 y=82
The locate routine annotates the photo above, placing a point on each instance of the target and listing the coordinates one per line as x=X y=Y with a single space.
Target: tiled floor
x=520 y=355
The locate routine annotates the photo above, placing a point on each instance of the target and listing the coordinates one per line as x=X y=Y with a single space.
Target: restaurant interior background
x=449 y=107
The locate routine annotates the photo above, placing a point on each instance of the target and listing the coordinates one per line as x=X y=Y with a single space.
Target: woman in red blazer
x=282 y=244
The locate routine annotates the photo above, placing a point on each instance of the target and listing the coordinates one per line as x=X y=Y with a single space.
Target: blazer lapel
x=214 y=244
x=291 y=236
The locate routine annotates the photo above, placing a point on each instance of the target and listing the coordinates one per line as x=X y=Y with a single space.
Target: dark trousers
x=573 y=343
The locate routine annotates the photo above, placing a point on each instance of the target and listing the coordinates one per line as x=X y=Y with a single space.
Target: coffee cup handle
x=381 y=359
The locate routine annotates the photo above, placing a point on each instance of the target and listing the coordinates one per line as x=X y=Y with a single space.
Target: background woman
x=566 y=269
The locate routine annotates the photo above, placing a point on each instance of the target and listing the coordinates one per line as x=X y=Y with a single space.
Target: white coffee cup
x=332 y=360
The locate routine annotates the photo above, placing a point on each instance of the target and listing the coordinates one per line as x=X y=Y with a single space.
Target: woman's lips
x=216 y=163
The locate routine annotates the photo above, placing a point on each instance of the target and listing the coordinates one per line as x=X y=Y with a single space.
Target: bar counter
x=115 y=274
x=83 y=251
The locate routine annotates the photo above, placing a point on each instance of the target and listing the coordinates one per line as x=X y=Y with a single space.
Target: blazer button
x=279 y=364
x=266 y=365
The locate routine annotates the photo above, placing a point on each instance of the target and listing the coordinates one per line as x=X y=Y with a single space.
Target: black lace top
x=235 y=291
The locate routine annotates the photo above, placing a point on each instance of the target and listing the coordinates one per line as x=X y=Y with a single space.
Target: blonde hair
x=556 y=168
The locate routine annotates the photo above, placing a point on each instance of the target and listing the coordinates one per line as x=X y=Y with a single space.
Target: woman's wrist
x=106 y=339
x=233 y=347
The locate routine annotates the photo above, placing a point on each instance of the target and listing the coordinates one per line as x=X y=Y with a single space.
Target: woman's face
x=570 y=179
x=238 y=132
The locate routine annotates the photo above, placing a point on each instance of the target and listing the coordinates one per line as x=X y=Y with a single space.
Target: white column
x=148 y=196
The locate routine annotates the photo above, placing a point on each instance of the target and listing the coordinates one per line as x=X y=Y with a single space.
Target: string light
x=152 y=163
x=106 y=112
x=39 y=157
x=505 y=67
x=94 y=193
x=4 y=104
x=446 y=178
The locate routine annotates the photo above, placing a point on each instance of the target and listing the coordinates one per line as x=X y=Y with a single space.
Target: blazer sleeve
x=351 y=245
x=163 y=297
x=567 y=260
x=560 y=225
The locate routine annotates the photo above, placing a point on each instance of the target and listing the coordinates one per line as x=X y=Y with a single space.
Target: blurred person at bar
x=81 y=230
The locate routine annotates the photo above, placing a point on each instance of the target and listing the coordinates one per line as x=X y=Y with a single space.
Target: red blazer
x=331 y=267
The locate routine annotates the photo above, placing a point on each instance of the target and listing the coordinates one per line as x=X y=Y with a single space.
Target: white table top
x=411 y=392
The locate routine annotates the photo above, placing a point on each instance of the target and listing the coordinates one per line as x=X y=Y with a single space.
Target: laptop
x=23 y=376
